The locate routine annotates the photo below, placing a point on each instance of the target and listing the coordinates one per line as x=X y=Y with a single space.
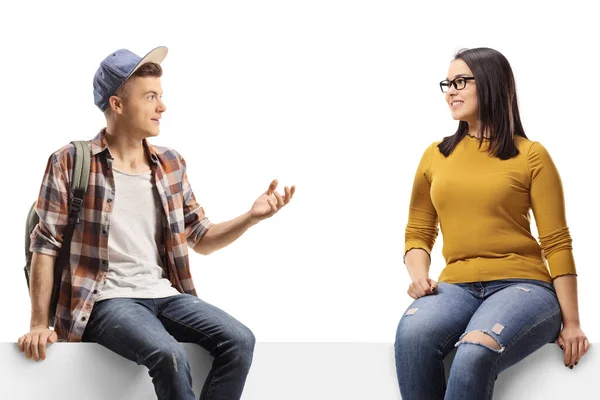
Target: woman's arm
x=547 y=203
x=571 y=340
x=421 y=230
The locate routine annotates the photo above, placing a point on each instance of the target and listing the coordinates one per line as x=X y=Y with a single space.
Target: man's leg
x=130 y=328
x=192 y=320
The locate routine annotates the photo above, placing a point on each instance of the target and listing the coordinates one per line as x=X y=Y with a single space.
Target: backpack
x=79 y=184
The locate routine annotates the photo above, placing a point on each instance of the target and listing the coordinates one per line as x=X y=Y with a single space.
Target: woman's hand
x=422 y=287
x=573 y=342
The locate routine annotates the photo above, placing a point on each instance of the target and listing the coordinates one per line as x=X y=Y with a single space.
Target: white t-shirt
x=135 y=267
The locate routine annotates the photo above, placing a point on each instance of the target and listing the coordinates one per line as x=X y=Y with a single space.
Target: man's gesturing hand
x=270 y=202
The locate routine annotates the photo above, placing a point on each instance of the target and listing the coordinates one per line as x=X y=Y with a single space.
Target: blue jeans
x=148 y=332
x=520 y=315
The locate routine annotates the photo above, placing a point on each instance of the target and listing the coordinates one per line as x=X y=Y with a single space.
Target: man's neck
x=128 y=152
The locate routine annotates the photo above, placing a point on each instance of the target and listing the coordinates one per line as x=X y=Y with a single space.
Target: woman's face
x=462 y=103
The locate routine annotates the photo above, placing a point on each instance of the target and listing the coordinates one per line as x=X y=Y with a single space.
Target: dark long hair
x=497 y=103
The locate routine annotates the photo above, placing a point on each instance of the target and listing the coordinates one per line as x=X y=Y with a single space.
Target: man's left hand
x=270 y=202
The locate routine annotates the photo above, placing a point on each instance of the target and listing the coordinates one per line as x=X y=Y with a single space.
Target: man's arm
x=220 y=235
x=42 y=279
x=223 y=234
x=46 y=240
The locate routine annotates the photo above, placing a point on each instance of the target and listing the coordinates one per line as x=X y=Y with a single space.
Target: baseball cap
x=116 y=68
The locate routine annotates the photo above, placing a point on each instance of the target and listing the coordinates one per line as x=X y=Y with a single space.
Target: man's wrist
x=38 y=324
x=251 y=220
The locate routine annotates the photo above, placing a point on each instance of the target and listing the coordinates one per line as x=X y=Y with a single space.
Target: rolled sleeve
x=52 y=210
x=195 y=220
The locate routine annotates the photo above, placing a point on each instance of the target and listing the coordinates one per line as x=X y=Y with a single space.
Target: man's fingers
x=34 y=348
x=20 y=343
x=280 y=202
x=587 y=345
x=272 y=187
x=53 y=337
x=272 y=204
x=27 y=345
x=286 y=196
x=289 y=193
x=42 y=347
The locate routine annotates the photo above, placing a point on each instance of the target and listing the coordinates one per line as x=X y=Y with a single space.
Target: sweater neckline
x=476 y=138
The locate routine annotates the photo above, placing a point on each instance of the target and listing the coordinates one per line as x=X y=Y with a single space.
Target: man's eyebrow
x=153 y=92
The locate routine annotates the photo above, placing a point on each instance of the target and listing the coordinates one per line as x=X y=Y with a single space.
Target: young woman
x=497 y=299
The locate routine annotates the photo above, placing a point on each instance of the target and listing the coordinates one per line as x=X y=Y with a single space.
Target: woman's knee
x=413 y=336
x=475 y=351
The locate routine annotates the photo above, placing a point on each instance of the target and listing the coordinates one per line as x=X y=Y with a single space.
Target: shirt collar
x=99 y=144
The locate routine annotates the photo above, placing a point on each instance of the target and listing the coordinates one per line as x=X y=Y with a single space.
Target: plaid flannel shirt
x=183 y=223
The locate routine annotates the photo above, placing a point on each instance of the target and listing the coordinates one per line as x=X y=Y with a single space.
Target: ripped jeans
x=520 y=315
x=148 y=332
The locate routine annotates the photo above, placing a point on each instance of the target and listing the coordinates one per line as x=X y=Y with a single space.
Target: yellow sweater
x=482 y=205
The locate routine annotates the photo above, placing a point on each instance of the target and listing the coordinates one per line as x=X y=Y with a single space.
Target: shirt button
x=95 y=291
x=83 y=319
x=109 y=200
x=105 y=231
x=104 y=262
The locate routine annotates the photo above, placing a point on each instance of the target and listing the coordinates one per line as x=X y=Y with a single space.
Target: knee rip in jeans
x=483 y=338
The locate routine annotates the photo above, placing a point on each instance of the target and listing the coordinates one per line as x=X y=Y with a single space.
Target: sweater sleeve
x=422 y=226
x=547 y=203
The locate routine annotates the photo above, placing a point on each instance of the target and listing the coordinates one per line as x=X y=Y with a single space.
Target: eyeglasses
x=458 y=83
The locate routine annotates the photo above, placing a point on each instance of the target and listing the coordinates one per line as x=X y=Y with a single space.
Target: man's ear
x=115 y=103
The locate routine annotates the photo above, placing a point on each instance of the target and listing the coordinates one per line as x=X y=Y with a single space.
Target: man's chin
x=153 y=133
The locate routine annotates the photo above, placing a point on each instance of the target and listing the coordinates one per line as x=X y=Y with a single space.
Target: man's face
x=142 y=107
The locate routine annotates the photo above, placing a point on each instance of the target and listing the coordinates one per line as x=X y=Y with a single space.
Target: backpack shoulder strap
x=81 y=175
x=79 y=184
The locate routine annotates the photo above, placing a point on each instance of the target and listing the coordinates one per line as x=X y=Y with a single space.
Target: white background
x=339 y=98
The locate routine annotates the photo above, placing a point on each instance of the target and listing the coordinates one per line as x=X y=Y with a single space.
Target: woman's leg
x=426 y=334
x=509 y=325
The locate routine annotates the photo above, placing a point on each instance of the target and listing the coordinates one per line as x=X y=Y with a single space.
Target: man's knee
x=244 y=339
x=169 y=354
x=239 y=346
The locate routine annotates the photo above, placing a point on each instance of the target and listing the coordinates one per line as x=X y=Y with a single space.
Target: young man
x=128 y=286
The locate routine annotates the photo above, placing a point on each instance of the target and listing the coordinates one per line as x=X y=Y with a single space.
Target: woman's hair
x=498 y=111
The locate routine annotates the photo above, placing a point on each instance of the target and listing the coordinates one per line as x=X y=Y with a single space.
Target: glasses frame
x=448 y=83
